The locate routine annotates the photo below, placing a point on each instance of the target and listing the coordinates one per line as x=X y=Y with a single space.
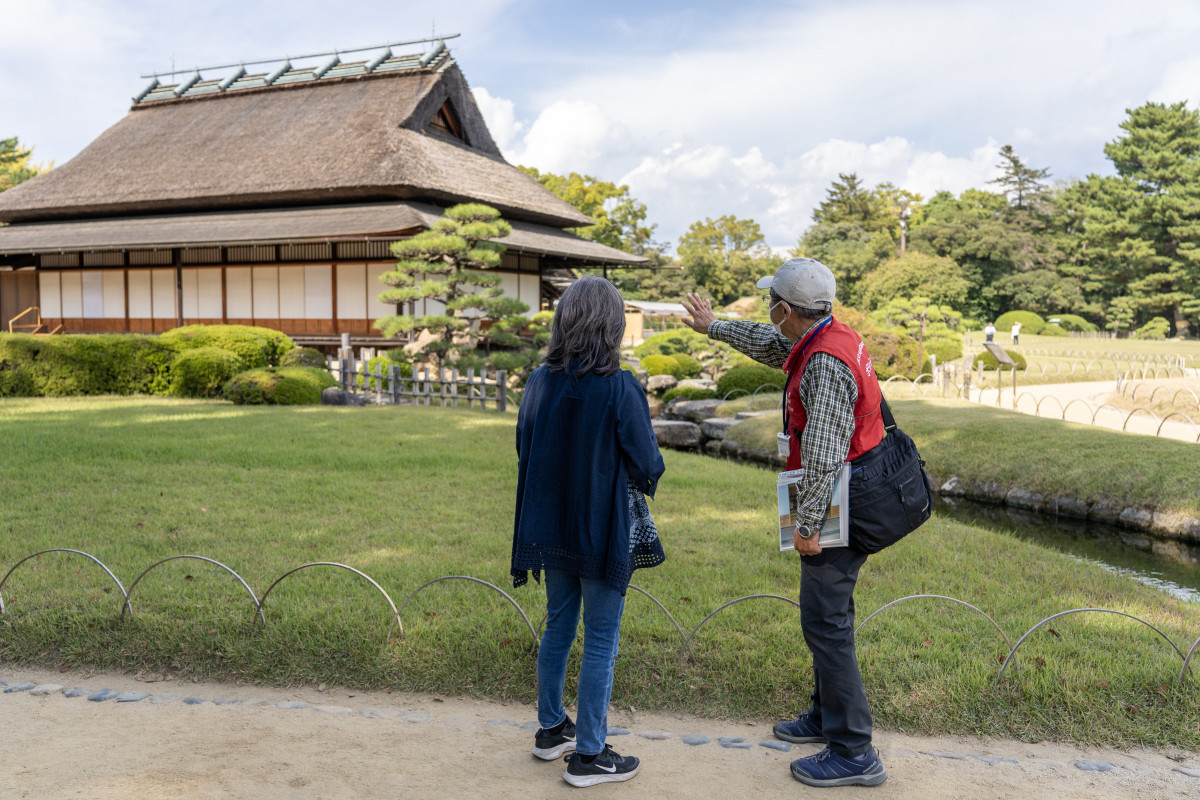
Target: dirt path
x=381 y=745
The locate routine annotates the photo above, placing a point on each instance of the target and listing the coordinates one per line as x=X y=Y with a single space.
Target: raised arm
x=757 y=340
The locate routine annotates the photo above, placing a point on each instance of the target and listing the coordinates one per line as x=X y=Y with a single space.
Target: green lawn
x=411 y=494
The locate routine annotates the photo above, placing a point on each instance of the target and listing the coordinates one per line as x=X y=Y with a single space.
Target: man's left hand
x=806 y=547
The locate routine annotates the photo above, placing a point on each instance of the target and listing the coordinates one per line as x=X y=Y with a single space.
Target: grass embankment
x=412 y=494
x=1055 y=459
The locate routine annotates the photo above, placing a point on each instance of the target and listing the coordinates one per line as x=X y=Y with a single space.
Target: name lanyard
x=809 y=339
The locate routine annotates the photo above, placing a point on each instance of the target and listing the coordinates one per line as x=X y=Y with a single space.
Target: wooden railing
x=32 y=328
x=425 y=386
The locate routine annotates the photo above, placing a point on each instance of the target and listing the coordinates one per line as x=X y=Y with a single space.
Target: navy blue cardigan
x=579 y=442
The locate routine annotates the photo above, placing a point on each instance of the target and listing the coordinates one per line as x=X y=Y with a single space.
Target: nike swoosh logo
x=613 y=768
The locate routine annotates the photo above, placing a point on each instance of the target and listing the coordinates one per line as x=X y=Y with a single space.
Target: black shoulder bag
x=890 y=495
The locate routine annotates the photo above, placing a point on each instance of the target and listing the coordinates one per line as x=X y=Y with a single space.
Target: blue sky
x=749 y=108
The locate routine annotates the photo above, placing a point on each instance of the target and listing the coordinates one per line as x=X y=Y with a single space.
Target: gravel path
x=170 y=739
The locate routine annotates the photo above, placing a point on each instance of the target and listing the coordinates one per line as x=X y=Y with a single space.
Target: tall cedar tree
x=447 y=264
x=1023 y=185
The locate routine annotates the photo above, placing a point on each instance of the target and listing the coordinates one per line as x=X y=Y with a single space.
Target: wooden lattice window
x=446 y=121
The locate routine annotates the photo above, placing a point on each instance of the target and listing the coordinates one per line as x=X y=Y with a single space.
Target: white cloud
x=569 y=136
x=500 y=116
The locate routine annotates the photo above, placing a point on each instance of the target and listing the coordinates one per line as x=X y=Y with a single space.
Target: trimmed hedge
x=78 y=364
x=1075 y=323
x=749 y=377
x=1031 y=323
x=989 y=361
x=1053 y=330
x=671 y=342
x=303 y=357
x=257 y=347
x=690 y=366
x=1157 y=328
x=204 y=371
x=281 y=386
x=656 y=364
x=689 y=393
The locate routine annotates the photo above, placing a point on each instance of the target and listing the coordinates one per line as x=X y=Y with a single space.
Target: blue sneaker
x=801 y=730
x=827 y=768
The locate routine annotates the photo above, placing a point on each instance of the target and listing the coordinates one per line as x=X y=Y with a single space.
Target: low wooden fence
x=425 y=386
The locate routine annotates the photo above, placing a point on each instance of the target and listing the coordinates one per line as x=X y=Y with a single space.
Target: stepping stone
x=732 y=742
x=23 y=686
x=655 y=736
x=3 y=684
x=1191 y=773
x=614 y=731
x=77 y=691
x=416 y=716
x=993 y=760
x=531 y=726
x=694 y=739
x=507 y=722
x=380 y=713
x=45 y=689
x=337 y=711
x=195 y=701
x=944 y=754
x=226 y=701
x=772 y=744
x=1088 y=765
x=290 y=705
x=132 y=697
x=160 y=699
x=102 y=695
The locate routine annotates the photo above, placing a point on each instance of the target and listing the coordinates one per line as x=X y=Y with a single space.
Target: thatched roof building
x=211 y=182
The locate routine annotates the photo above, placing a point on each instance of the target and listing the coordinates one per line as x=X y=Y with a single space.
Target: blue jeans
x=602 y=609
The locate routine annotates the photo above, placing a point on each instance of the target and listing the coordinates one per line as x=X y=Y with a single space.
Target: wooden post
x=344 y=373
x=501 y=393
x=483 y=387
x=442 y=381
x=454 y=388
x=425 y=384
x=378 y=382
x=470 y=390
x=393 y=371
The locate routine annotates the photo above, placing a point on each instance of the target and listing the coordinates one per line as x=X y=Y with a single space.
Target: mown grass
x=410 y=494
x=1053 y=458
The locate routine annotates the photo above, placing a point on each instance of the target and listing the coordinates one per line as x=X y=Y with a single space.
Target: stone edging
x=691 y=425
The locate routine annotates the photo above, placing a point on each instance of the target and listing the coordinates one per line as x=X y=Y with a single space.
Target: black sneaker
x=548 y=746
x=801 y=730
x=608 y=767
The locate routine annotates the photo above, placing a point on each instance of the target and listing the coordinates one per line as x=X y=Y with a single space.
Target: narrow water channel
x=1165 y=564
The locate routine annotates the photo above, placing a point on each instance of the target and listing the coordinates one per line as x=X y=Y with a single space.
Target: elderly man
x=832 y=415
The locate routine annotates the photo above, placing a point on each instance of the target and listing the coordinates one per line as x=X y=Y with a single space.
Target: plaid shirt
x=828 y=391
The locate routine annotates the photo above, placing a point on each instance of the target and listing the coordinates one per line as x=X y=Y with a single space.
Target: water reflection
x=1166 y=564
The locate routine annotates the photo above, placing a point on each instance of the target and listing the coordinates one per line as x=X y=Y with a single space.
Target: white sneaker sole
x=552 y=753
x=592 y=780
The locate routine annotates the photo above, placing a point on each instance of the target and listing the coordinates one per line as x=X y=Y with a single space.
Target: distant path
x=1094 y=393
x=262 y=743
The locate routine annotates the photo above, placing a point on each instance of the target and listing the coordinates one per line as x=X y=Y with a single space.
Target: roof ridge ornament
x=188 y=83
x=279 y=71
x=231 y=77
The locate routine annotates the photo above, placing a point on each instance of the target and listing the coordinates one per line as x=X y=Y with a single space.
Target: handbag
x=890 y=494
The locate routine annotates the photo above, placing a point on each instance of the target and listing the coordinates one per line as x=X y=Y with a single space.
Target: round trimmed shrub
x=1052 y=330
x=748 y=377
x=1157 y=328
x=662 y=365
x=1075 y=323
x=1031 y=323
x=303 y=357
x=281 y=386
x=257 y=347
x=691 y=367
x=688 y=393
x=203 y=372
x=75 y=364
x=669 y=343
x=989 y=361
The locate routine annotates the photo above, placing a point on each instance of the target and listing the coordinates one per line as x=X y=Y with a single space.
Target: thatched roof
x=347 y=138
x=351 y=222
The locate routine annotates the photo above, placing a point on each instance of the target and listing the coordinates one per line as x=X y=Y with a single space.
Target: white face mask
x=778 y=326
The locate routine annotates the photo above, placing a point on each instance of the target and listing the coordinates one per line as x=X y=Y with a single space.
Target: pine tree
x=1027 y=184
x=448 y=264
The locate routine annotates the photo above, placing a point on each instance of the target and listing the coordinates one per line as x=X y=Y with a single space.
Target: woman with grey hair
x=587 y=456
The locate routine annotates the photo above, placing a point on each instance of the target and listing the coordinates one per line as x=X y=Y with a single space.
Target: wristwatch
x=806 y=531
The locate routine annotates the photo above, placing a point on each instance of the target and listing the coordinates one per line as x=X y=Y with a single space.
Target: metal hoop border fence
x=687 y=639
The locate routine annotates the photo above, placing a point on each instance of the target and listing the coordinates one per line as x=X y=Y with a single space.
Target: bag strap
x=889 y=422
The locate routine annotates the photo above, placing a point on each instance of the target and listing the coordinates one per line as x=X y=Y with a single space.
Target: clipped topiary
x=688 y=393
x=281 y=386
x=1053 y=330
x=257 y=347
x=669 y=343
x=1075 y=323
x=989 y=361
x=303 y=357
x=662 y=365
x=1031 y=323
x=1157 y=328
x=61 y=366
x=203 y=371
x=748 y=377
x=691 y=367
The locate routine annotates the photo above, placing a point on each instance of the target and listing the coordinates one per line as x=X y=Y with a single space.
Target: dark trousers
x=839 y=704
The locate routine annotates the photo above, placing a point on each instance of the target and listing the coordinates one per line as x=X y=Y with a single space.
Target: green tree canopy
x=16 y=165
x=1023 y=185
x=726 y=256
x=620 y=218
x=916 y=274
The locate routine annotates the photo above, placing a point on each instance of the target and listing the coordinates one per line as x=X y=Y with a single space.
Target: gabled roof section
x=356 y=137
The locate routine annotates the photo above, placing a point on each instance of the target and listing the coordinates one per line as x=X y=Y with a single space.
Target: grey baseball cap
x=802 y=282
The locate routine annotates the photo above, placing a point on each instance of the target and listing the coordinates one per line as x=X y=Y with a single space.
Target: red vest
x=841 y=342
